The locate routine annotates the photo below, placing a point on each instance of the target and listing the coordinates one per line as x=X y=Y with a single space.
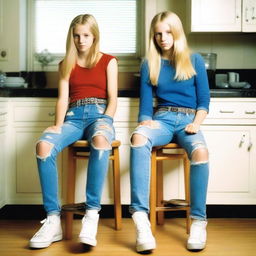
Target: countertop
x=53 y=92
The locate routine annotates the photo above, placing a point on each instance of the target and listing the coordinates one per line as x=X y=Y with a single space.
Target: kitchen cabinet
x=232 y=167
x=230 y=131
x=222 y=16
x=29 y=117
x=249 y=16
x=3 y=126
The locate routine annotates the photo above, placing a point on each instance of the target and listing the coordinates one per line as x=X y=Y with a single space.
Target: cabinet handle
x=3 y=113
x=227 y=111
x=250 y=112
x=246 y=14
x=249 y=146
x=242 y=141
x=51 y=114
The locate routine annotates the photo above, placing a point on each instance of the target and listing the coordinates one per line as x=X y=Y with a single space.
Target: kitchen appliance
x=210 y=60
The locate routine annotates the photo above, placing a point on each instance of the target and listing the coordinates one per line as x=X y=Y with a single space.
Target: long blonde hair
x=180 y=58
x=70 y=58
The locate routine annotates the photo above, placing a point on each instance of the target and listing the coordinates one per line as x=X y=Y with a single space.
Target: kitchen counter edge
x=53 y=92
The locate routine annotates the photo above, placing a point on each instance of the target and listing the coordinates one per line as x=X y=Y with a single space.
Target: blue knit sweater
x=192 y=93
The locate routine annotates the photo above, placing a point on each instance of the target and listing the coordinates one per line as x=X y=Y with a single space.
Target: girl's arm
x=62 y=104
x=195 y=126
x=112 y=77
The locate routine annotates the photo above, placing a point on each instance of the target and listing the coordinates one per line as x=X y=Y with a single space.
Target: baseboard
x=26 y=212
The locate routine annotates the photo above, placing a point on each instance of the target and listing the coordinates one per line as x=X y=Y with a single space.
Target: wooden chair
x=78 y=150
x=157 y=205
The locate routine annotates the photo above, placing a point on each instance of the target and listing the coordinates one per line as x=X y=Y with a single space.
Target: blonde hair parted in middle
x=70 y=58
x=180 y=57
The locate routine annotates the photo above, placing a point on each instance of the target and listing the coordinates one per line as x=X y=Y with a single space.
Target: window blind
x=116 y=19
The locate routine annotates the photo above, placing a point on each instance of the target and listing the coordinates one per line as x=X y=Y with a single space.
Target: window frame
x=126 y=63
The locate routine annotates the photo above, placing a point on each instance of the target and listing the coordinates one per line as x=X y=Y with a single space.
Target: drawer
x=232 y=110
x=34 y=114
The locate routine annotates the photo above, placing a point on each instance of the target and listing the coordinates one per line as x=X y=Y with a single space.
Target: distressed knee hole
x=43 y=149
x=100 y=142
x=138 y=140
x=104 y=127
x=200 y=155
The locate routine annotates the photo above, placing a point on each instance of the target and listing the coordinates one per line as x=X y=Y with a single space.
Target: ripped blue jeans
x=169 y=126
x=83 y=122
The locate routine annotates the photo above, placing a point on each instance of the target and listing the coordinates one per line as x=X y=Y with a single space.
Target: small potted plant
x=44 y=58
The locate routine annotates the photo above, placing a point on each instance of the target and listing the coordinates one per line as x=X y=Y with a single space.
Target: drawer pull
x=3 y=113
x=227 y=111
x=250 y=112
x=51 y=114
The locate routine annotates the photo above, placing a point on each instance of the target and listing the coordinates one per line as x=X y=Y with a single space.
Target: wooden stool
x=78 y=150
x=157 y=205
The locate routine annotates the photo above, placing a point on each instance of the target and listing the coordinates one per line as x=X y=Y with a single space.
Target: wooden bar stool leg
x=159 y=195
x=116 y=183
x=186 y=163
x=153 y=192
x=70 y=192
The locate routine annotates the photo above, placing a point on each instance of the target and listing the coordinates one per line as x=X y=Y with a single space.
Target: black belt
x=177 y=109
x=86 y=101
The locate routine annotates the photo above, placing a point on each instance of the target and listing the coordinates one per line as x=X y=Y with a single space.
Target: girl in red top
x=85 y=109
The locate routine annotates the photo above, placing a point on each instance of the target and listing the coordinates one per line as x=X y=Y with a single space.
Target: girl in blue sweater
x=178 y=80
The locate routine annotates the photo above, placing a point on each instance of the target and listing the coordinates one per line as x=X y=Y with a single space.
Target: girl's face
x=83 y=38
x=164 y=38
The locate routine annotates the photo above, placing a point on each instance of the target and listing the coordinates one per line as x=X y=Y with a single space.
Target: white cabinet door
x=232 y=151
x=215 y=16
x=2 y=167
x=28 y=119
x=249 y=16
x=3 y=128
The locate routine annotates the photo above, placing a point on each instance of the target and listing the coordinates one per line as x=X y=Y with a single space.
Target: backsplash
x=127 y=81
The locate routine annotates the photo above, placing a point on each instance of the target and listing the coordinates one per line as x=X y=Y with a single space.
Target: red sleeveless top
x=89 y=82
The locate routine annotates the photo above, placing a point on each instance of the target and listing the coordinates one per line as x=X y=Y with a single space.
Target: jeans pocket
x=101 y=108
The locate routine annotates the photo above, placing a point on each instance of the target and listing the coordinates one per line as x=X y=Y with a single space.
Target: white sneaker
x=145 y=240
x=50 y=232
x=89 y=228
x=198 y=235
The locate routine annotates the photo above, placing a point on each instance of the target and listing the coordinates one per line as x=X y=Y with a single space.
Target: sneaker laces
x=196 y=230
x=143 y=228
x=89 y=225
x=44 y=230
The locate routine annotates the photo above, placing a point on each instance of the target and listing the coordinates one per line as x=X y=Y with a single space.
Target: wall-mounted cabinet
x=222 y=16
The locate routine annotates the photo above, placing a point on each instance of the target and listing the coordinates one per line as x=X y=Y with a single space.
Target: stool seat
x=85 y=143
x=157 y=204
x=81 y=150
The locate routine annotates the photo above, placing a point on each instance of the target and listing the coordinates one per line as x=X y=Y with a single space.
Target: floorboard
x=226 y=237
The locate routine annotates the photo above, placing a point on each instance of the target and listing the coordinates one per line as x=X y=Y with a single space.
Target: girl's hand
x=150 y=123
x=192 y=128
x=53 y=129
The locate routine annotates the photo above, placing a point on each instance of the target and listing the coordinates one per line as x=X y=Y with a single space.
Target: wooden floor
x=226 y=237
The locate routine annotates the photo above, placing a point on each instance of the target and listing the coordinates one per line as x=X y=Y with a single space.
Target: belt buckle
x=173 y=109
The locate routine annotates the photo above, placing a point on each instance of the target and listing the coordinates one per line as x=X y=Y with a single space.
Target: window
x=119 y=24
